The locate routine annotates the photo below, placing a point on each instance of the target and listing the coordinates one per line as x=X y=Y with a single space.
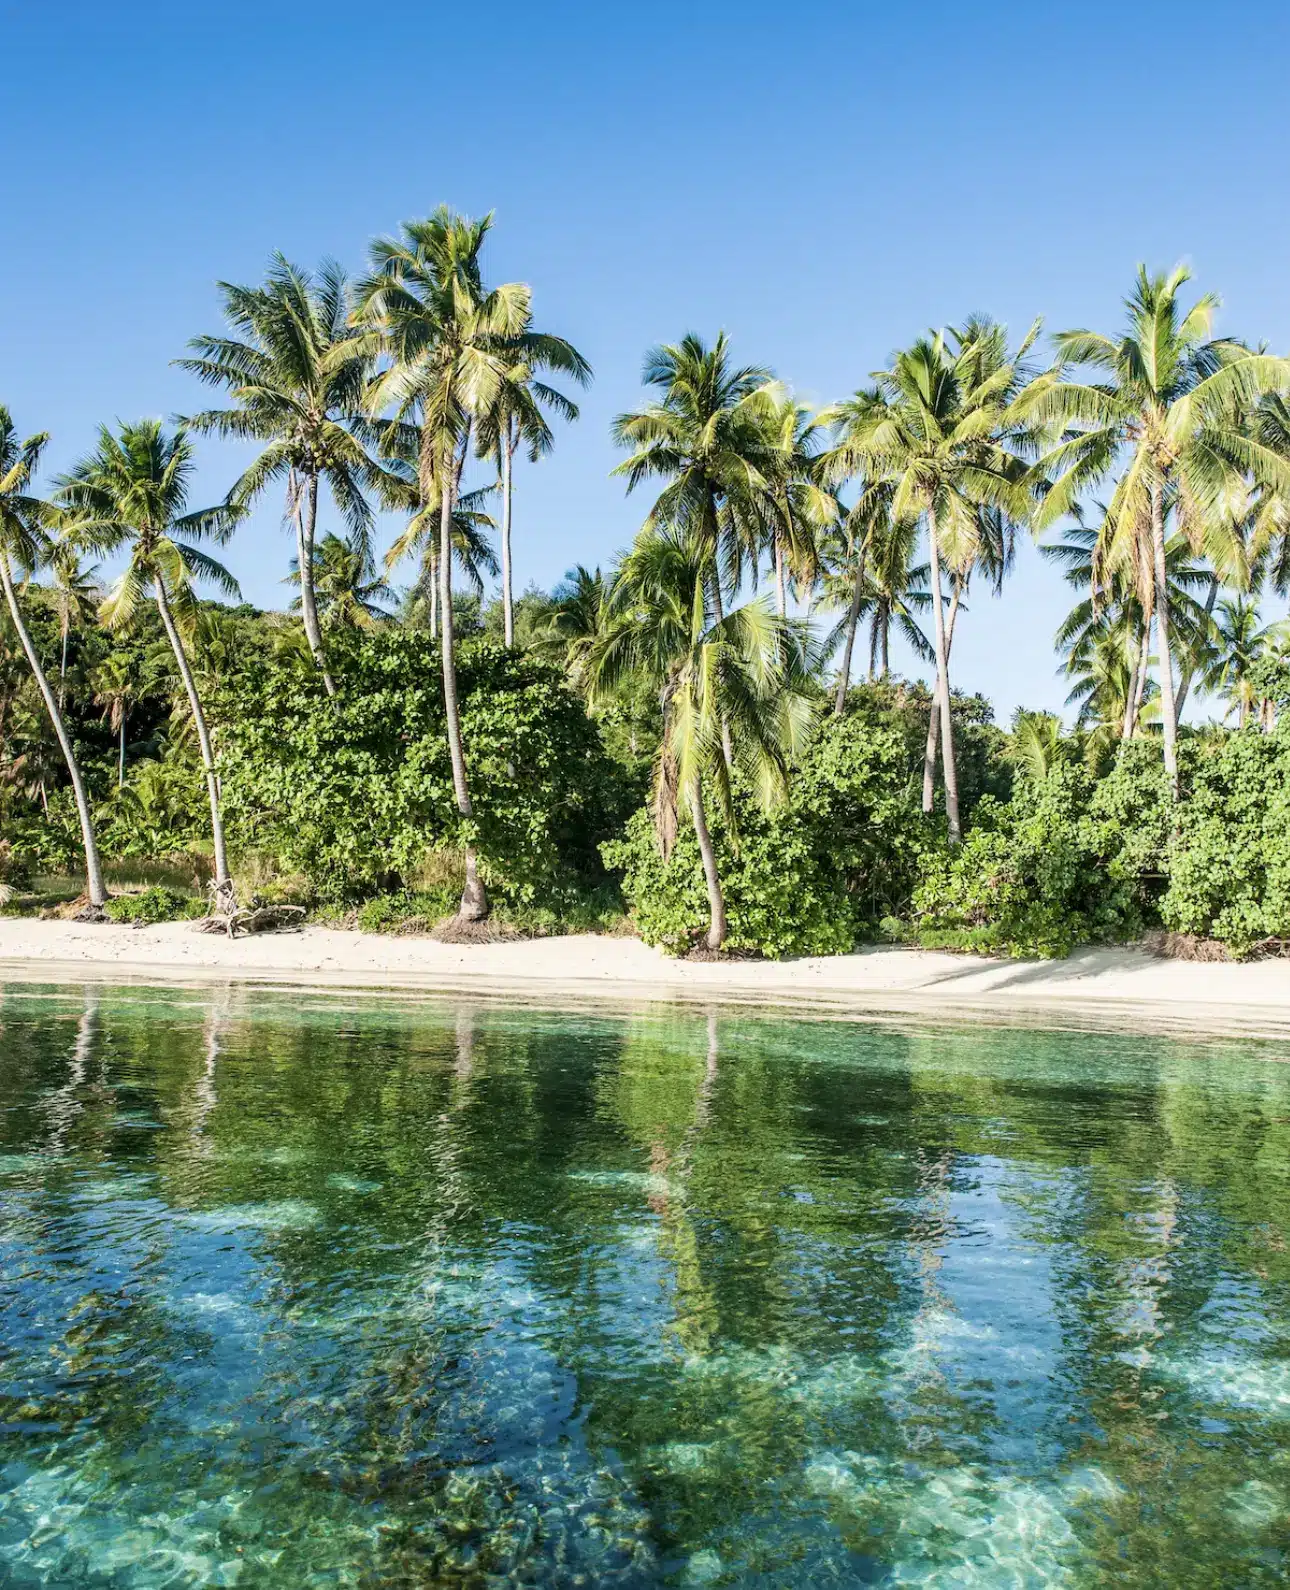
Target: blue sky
x=823 y=183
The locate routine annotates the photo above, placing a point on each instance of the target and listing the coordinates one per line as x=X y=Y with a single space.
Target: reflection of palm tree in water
x=63 y=1106
x=928 y=1237
x=696 y=1322
x=205 y=1092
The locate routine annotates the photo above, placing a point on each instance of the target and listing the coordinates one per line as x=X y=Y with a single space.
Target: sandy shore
x=1097 y=987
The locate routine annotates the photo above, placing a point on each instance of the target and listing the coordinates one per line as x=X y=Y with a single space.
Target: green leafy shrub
x=1229 y=870
x=157 y=904
x=353 y=792
x=406 y=912
x=816 y=877
x=1028 y=878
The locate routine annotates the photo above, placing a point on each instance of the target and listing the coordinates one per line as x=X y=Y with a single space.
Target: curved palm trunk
x=716 y=899
x=93 y=867
x=781 y=589
x=853 y=621
x=1138 y=684
x=225 y=900
x=305 y=493
x=1168 y=706
x=474 y=901
x=508 y=609
x=950 y=770
x=933 y=717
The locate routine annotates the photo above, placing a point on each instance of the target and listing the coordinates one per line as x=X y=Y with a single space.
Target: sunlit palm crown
x=942 y=428
x=747 y=674
x=448 y=344
x=25 y=519
x=1173 y=407
x=707 y=438
x=132 y=492
x=297 y=373
x=350 y=593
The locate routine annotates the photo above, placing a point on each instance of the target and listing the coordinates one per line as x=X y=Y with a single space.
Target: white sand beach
x=1097 y=987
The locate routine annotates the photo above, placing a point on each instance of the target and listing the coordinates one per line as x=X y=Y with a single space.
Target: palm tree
x=938 y=427
x=797 y=508
x=347 y=588
x=1173 y=406
x=131 y=493
x=576 y=619
x=75 y=598
x=745 y=676
x=25 y=545
x=297 y=374
x=448 y=344
x=1110 y=615
x=472 y=552
x=1240 y=643
x=516 y=417
x=116 y=685
x=1107 y=685
x=707 y=440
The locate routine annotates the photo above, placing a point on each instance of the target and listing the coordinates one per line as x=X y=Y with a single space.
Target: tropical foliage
x=676 y=736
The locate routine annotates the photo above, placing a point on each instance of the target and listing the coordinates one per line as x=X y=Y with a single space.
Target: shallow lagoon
x=303 y=1291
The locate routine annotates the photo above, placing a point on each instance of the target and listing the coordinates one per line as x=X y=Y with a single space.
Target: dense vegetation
x=660 y=740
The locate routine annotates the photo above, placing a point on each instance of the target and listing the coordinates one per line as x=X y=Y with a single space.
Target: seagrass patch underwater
x=303 y=1291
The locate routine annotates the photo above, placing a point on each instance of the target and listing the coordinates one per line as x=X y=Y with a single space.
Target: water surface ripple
x=300 y=1292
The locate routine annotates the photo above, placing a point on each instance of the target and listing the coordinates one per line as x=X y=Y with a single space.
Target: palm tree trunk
x=949 y=769
x=873 y=647
x=933 y=717
x=94 y=884
x=225 y=901
x=1133 y=706
x=305 y=493
x=716 y=899
x=508 y=612
x=853 y=621
x=1168 y=706
x=474 y=901
x=781 y=592
x=62 y=667
x=886 y=638
x=120 y=766
x=1184 y=683
x=434 y=595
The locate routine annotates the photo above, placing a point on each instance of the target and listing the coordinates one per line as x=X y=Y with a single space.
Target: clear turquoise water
x=297 y=1291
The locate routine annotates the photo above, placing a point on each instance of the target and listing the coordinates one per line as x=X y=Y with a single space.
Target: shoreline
x=1099 y=989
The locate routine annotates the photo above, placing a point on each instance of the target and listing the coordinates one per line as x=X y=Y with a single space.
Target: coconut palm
x=1111 y=605
x=448 y=345
x=117 y=684
x=706 y=439
x=938 y=426
x=348 y=589
x=472 y=551
x=297 y=373
x=25 y=545
x=516 y=418
x=745 y=676
x=131 y=494
x=576 y=619
x=75 y=597
x=797 y=509
x=1239 y=644
x=1173 y=408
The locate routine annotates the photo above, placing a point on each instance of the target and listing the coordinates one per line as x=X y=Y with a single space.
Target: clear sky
x=823 y=182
